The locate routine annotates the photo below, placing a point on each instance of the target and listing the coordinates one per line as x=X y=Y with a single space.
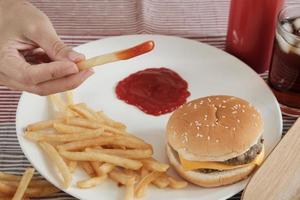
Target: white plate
x=208 y=71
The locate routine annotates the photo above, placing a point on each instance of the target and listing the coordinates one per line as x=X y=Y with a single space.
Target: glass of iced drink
x=284 y=75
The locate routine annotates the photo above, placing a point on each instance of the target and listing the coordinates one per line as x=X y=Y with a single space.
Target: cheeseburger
x=215 y=140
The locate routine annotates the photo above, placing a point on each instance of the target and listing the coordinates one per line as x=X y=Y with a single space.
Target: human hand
x=27 y=32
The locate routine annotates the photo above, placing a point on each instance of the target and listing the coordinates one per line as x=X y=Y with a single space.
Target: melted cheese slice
x=192 y=165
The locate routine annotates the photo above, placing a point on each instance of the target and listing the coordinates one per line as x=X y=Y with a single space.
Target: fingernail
x=75 y=57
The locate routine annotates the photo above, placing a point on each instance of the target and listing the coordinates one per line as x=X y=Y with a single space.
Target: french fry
x=86 y=123
x=82 y=110
x=25 y=180
x=162 y=181
x=99 y=145
x=125 y=141
x=105 y=168
x=69 y=129
x=40 y=191
x=33 y=183
x=7 y=189
x=128 y=153
x=144 y=182
x=96 y=167
x=58 y=162
x=57 y=102
x=39 y=136
x=129 y=191
x=154 y=165
x=42 y=125
x=133 y=173
x=86 y=166
x=120 y=177
x=108 y=121
x=144 y=172
x=91 y=182
x=82 y=122
x=72 y=165
x=97 y=156
x=9 y=177
x=177 y=184
x=69 y=96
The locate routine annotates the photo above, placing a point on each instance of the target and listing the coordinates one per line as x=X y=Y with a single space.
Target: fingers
x=44 y=35
x=62 y=84
x=39 y=29
x=42 y=79
x=48 y=71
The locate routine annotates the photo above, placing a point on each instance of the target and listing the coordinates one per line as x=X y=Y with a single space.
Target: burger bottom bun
x=213 y=179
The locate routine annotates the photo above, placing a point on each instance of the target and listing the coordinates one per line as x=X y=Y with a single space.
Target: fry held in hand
x=116 y=56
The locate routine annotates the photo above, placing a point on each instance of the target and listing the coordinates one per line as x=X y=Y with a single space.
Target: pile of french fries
x=79 y=137
x=13 y=187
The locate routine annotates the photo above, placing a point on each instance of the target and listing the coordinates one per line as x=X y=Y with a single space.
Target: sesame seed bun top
x=214 y=128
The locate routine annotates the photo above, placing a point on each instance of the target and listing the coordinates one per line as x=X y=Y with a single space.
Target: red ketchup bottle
x=251 y=30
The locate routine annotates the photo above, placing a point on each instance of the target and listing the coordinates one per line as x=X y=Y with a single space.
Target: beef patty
x=245 y=158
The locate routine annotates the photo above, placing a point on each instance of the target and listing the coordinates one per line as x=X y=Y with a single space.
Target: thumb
x=49 y=41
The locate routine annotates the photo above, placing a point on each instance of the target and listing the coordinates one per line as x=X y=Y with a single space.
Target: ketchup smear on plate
x=155 y=91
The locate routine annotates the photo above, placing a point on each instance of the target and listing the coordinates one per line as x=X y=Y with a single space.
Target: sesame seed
x=224 y=101
x=201 y=102
x=201 y=135
x=195 y=106
x=207 y=125
x=208 y=99
x=217 y=141
x=208 y=138
x=234 y=112
x=223 y=116
x=198 y=135
x=181 y=106
x=215 y=108
x=184 y=113
x=191 y=124
x=223 y=106
x=217 y=98
x=213 y=125
x=226 y=127
x=220 y=105
x=233 y=128
x=243 y=110
x=238 y=120
x=189 y=104
x=198 y=127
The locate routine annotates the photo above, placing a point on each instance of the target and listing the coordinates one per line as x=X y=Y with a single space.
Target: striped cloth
x=81 y=21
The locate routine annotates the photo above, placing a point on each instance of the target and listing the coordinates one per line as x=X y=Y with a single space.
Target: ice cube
x=288 y=27
x=296 y=23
